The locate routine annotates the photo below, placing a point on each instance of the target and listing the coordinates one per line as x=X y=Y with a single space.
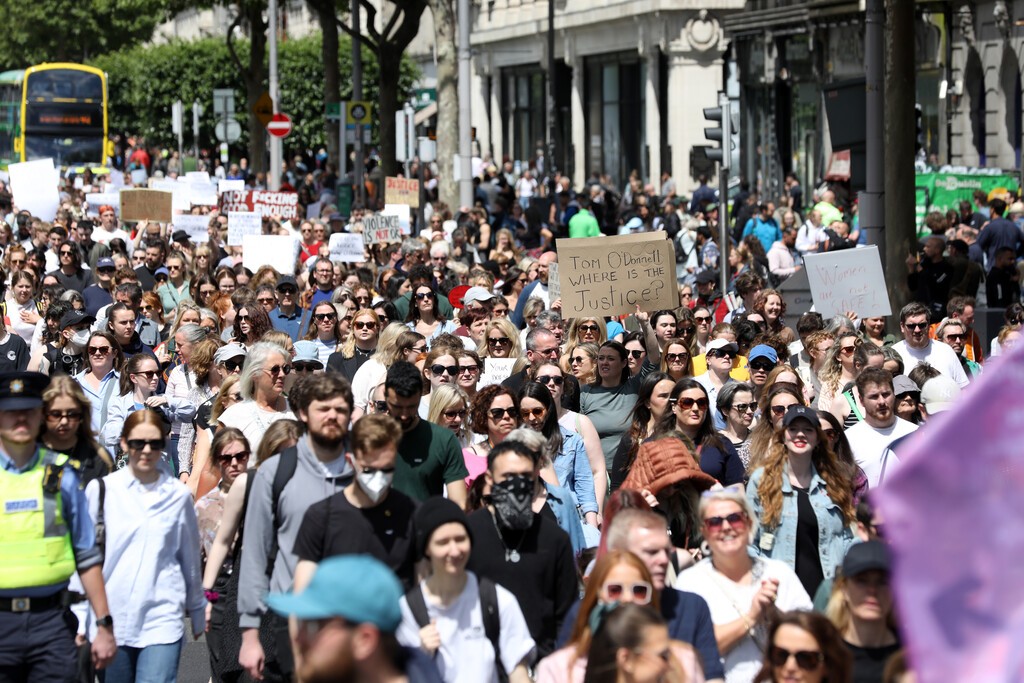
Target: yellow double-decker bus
x=54 y=110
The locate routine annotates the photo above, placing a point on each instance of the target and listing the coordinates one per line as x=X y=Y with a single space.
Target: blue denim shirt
x=834 y=537
x=563 y=504
x=573 y=470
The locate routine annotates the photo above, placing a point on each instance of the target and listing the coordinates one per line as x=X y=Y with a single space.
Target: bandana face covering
x=512 y=500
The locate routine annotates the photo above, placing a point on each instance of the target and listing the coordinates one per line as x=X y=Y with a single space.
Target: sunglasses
x=320 y=317
x=148 y=374
x=641 y=591
x=779 y=410
x=233 y=365
x=288 y=291
x=955 y=337
x=439 y=369
x=243 y=318
x=424 y=295
x=140 y=444
x=452 y=414
x=267 y=300
x=58 y=415
x=671 y=357
x=499 y=341
x=636 y=354
x=207 y=292
x=556 y=380
x=99 y=350
x=65 y=252
x=229 y=457
x=278 y=369
x=589 y=328
x=471 y=369
x=808 y=660
x=762 y=367
x=847 y=350
x=576 y=360
x=173 y=267
x=305 y=367
x=916 y=326
x=380 y=406
x=362 y=325
x=526 y=413
x=418 y=349
x=744 y=407
x=720 y=353
x=498 y=413
x=737 y=520
x=702 y=319
x=688 y=403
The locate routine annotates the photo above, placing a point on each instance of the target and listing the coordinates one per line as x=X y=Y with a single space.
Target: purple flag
x=954 y=514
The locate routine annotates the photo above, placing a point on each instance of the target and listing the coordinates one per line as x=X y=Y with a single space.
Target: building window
x=615 y=117
x=525 y=120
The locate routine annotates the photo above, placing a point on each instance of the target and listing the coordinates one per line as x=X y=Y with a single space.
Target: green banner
x=937 y=191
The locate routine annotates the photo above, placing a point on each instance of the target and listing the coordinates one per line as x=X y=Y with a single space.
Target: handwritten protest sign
x=554 y=286
x=242 y=223
x=612 y=275
x=180 y=202
x=284 y=205
x=347 y=247
x=404 y=216
x=94 y=200
x=381 y=229
x=201 y=193
x=237 y=185
x=195 y=226
x=34 y=186
x=147 y=205
x=277 y=251
x=496 y=371
x=402 y=191
x=848 y=280
x=957 y=579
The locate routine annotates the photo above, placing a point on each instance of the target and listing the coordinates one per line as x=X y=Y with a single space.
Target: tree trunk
x=255 y=77
x=900 y=228
x=332 y=93
x=447 y=99
x=390 y=65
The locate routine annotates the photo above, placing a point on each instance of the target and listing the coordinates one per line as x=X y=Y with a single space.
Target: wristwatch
x=107 y=621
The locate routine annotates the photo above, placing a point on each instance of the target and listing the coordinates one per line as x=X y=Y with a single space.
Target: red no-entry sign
x=280 y=125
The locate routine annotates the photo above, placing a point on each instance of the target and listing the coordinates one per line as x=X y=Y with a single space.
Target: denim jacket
x=563 y=504
x=834 y=537
x=573 y=470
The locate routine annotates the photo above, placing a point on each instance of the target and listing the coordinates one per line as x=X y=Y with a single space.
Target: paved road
x=194 y=665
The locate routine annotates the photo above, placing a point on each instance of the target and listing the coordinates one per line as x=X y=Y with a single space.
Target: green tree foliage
x=61 y=30
x=144 y=82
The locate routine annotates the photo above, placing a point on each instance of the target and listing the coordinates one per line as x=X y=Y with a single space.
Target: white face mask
x=80 y=338
x=375 y=484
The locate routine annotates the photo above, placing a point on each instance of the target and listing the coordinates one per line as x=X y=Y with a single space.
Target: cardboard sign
x=231 y=186
x=347 y=247
x=197 y=227
x=962 y=617
x=381 y=229
x=242 y=223
x=404 y=214
x=94 y=200
x=147 y=205
x=496 y=371
x=848 y=280
x=554 y=286
x=277 y=251
x=282 y=205
x=612 y=275
x=34 y=186
x=402 y=191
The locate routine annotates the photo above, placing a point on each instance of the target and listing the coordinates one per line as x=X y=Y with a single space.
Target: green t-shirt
x=583 y=224
x=428 y=458
x=444 y=307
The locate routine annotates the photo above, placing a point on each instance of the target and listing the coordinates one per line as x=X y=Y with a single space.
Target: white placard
x=94 y=200
x=180 y=203
x=139 y=177
x=347 y=247
x=242 y=223
x=496 y=371
x=277 y=251
x=404 y=216
x=313 y=210
x=116 y=178
x=79 y=183
x=237 y=185
x=848 y=280
x=202 y=193
x=198 y=177
x=34 y=186
x=197 y=227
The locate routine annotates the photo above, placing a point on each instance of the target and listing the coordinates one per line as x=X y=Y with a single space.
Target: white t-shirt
x=728 y=601
x=940 y=356
x=465 y=655
x=252 y=421
x=367 y=377
x=871 y=447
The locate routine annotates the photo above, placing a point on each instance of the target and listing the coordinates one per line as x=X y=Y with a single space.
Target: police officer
x=46 y=534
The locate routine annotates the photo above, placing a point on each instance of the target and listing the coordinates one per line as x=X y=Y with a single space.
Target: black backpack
x=488 y=607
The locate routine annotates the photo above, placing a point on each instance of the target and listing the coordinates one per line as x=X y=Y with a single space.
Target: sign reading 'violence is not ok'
x=613 y=275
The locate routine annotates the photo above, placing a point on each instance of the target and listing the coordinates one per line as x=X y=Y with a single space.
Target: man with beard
x=429 y=459
x=347 y=618
x=285 y=486
x=872 y=438
x=917 y=348
x=522 y=550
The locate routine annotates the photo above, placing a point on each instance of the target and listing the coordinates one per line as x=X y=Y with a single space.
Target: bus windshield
x=64 y=84
x=64 y=150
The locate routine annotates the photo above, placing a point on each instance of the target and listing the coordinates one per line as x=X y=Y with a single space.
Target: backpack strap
x=492 y=622
x=418 y=605
x=286 y=465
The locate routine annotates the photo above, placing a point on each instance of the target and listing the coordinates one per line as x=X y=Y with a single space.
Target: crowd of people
x=314 y=469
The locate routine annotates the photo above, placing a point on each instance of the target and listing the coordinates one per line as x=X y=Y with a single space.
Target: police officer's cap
x=22 y=390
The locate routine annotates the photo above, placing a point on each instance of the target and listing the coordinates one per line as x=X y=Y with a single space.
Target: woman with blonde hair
x=501 y=340
x=207 y=380
x=396 y=342
x=66 y=429
x=587 y=330
x=360 y=344
x=802 y=486
x=223 y=557
x=449 y=407
x=839 y=369
x=581 y=361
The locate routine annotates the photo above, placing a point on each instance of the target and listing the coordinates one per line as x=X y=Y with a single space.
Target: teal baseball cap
x=358 y=588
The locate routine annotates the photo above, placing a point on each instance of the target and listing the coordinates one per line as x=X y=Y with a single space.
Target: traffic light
x=722 y=133
x=918 y=131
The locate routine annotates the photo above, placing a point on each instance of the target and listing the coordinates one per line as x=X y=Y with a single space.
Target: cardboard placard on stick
x=347 y=247
x=848 y=280
x=147 y=205
x=242 y=223
x=381 y=229
x=402 y=191
x=612 y=275
x=554 y=286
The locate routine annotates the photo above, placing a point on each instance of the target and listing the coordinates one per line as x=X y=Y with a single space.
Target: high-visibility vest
x=35 y=542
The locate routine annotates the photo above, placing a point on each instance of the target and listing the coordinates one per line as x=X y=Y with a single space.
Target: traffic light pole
x=723 y=192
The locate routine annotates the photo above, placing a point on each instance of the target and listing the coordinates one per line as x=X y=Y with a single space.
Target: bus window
x=64 y=84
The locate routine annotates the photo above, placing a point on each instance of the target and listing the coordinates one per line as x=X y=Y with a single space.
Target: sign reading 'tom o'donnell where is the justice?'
x=613 y=275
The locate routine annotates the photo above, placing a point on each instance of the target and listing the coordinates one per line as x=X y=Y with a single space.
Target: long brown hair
x=836 y=477
x=838 y=660
x=65 y=385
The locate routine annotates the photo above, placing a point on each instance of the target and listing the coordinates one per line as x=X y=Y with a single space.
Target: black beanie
x=435 y=512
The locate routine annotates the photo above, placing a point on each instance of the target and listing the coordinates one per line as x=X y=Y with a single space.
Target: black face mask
x=512 y=500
